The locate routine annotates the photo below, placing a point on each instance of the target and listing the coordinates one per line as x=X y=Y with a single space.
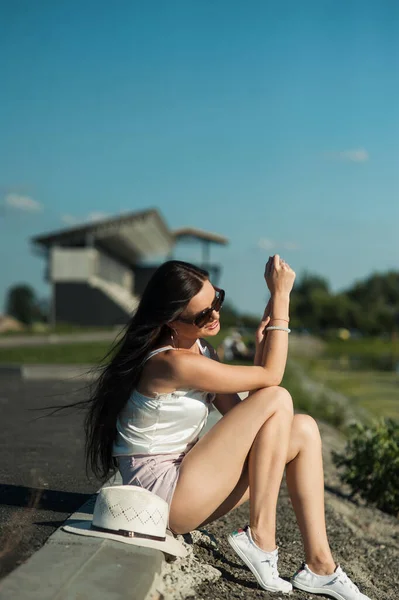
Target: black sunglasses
x=205 y=316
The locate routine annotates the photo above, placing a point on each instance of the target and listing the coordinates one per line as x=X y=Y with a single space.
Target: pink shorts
x=157 y=473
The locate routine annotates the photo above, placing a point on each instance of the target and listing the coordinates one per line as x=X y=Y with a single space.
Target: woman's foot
x=262 y=564
x=337 y=585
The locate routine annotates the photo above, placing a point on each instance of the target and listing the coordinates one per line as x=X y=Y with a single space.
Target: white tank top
x=168 y=423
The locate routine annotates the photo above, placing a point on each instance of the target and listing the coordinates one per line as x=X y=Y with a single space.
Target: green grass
x=74 y=353
x=318 y=404
x=376 y=391
x=84 y=353
x=363 y=347
x=359 y=369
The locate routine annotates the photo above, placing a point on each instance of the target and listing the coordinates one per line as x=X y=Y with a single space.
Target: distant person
x=234 y=347
x=227 y=348
x=240 y=350
x=151 y=403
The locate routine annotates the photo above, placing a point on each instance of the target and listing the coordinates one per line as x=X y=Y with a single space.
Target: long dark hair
x=166 y=295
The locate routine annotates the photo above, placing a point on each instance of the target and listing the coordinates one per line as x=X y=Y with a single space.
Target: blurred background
x=218 y=133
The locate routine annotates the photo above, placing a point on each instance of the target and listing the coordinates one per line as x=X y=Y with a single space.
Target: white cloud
x=290 y=246
x=69 y=219
x=358 y=155
x=266 y=244
x=25 y=203
x=97 y=216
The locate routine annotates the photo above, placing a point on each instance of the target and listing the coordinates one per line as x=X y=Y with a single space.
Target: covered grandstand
x=97 y=271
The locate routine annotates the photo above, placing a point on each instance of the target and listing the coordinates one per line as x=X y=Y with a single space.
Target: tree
x=229 y=316
x=310 y=301
x=370 y=306
x=378 y=300
x=22 y=304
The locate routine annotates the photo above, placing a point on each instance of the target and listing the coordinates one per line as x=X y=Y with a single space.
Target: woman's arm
x=261 y=334
x=222 y=402
x=189 y=370
x=279 y=317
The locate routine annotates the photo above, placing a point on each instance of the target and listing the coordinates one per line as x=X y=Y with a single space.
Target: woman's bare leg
x=305 y=482
x=213 y=467
x=266 y=464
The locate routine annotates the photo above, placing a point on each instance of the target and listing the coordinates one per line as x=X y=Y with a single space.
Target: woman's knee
x=279 y=401
x=283 y=401
x=177 y=529
x=306 y=428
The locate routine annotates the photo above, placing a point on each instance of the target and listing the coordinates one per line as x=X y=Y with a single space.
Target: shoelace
x=273 y=565
x=343 y=578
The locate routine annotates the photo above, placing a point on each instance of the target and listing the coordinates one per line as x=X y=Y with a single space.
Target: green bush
x=371 y=463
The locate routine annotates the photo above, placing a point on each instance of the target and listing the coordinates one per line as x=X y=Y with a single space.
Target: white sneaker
x=262 y=564
x=338 y=585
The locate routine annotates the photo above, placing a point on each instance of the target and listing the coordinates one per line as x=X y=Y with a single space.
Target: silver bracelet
x=276 y=328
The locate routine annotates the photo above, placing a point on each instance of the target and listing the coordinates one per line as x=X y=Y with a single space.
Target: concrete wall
x=109 y=269
x=80 y=304
x=141 y=277
x=72 y=264
x=78 y=264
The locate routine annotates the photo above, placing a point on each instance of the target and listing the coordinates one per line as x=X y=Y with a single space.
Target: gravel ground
x=364 y=541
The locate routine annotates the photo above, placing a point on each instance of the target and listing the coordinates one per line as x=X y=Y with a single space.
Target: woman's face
x=203 y=300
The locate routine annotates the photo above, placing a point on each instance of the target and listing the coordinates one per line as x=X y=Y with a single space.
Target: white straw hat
x=132 y=515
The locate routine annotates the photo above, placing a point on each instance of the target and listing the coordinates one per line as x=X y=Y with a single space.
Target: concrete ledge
x=56 y=372
x=70 y=566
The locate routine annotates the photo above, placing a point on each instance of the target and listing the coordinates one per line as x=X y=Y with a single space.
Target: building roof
x=187 y=233
x=130 y=237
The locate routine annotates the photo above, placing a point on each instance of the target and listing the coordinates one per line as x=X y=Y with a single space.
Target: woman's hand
x=279 y=276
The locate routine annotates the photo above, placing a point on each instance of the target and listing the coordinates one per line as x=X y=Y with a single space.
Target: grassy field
x=350 y=367
x=71 y=353
x=375 y=347
x=78 y=353
x=376 y=391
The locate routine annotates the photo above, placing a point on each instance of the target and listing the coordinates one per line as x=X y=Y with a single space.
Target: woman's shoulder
x=165 y=362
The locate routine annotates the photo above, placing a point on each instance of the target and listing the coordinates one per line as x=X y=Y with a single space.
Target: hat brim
x=170 y=545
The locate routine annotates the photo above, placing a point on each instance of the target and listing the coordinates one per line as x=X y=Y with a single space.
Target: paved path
x=42 y=472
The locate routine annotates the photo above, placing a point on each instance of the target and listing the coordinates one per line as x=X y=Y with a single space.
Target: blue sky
x=275 y=124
